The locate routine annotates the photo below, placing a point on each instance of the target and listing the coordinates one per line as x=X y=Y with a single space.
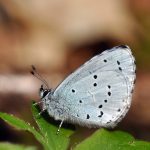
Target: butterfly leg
x=37 y=103
x=59 y=127
x=41 y=111
x=39 y=114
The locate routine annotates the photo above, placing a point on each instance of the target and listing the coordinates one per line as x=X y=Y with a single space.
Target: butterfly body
x=97 y=94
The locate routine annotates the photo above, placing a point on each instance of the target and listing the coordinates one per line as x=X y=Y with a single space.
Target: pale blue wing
x=99 y=92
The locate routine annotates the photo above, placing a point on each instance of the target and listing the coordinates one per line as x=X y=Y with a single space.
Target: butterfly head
x=44 y=92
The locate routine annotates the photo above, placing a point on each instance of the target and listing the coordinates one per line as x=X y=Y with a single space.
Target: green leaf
x=112 y=140
x=9 y=146
x=22 y=125
x=48 y=130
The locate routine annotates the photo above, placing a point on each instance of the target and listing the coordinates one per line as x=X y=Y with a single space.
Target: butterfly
x=97 y=94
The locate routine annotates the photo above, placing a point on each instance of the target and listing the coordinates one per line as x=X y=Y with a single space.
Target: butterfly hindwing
x=97 y=105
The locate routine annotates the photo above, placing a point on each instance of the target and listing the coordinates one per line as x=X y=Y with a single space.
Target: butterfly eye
x=45 y=93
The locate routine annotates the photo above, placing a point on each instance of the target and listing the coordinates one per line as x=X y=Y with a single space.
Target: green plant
x=46 y=135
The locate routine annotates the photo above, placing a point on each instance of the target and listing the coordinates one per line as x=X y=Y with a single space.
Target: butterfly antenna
x=37 y=75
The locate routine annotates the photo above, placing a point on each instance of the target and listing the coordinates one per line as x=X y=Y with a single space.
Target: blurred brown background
x=57 y=37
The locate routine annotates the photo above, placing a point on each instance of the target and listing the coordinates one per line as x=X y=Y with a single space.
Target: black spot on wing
x=109 y=86
x=119 y=110
x=95 y=84
x=118 y=62
x=88 y=116
x=101 y=114
x=80 y=101
x=100 y=106
x=109 y=93
x=95 y=76
x=105 y=100
x=120 y=68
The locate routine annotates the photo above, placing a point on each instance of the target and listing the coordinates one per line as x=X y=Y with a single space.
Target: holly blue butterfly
x=97 y=94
